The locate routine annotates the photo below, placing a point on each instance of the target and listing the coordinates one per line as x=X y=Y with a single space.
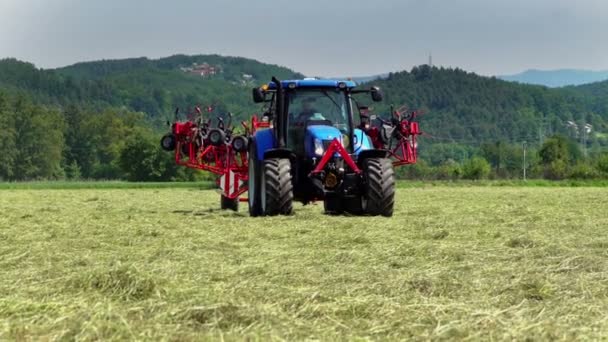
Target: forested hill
x=231 y=69
x=101 y=120
x=462 y=107
x=467 y=108
x=154 y=87
x=595 y=93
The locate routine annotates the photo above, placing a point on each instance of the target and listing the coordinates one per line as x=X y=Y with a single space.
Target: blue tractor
x=316 y=149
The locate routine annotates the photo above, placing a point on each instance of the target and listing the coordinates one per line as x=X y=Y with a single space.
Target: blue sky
x=316 y=37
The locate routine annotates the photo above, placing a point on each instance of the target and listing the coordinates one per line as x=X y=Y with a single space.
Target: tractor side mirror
x=376 y=94
x=258 y=95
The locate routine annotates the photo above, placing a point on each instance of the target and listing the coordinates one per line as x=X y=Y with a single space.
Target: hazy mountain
x=557 y=78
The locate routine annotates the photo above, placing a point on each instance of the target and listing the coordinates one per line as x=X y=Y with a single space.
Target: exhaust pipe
x=280 y=118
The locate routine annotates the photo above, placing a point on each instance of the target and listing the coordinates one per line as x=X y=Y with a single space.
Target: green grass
x=54 y=185
x=504 y=183
x=481 y=263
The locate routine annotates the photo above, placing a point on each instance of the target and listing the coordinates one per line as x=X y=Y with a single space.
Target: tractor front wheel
x=277 y=187
x=379 y=193
x=229 y=204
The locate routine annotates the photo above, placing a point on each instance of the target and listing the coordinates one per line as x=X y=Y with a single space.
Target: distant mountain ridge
x=557 y=78
x=362 y=79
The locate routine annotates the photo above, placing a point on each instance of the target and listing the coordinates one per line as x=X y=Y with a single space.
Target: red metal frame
x=405 y=152
x=231 y=166
x=335 y=147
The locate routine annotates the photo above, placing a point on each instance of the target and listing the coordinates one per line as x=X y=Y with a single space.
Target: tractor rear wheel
x=229 y=204
x=277 y=188
x=379 y=193
x=254 y=183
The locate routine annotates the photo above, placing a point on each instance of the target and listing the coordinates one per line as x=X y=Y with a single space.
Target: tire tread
x=279 y=187
x=380 y=187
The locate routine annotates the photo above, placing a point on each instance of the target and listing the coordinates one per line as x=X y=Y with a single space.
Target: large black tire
x=379 y=193
x=254 y=183
x=277 y=187
x=229 y=204
x=333 y=205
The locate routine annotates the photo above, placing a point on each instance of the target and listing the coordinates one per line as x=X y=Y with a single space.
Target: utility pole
x=581 y=131
x=524 y=166
x=587 y=128
x=585 y=142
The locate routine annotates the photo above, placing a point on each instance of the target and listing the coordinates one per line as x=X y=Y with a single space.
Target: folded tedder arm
x=398 y=136
x=217 y=150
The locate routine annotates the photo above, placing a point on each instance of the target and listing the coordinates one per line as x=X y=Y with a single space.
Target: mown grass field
x=481 y=263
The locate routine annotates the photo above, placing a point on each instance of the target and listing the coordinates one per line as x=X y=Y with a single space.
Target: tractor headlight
x=345 y=140
x=319 y=150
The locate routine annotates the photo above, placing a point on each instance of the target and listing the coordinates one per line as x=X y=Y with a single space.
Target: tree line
x=46 y=143
x=557 y=158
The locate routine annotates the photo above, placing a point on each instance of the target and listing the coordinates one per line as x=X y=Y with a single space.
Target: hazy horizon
x=354 y=38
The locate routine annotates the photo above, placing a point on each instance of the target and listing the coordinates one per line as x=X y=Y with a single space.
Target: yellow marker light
x=345 y=141
x=265 y=87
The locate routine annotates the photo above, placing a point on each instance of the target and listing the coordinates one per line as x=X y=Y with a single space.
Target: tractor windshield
x=322 y=106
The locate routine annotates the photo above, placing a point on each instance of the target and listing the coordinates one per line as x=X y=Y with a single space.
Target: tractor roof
x=314 y=83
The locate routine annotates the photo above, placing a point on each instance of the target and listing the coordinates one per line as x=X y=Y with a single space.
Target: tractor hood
x=318 y=138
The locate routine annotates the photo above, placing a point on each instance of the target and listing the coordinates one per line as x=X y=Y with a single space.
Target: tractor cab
x=315 y=116
x=314 y=113
x=313 y=151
